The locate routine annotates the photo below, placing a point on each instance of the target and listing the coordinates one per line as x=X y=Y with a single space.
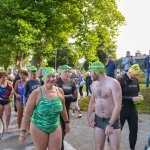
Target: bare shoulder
x=36 y=92
x=95 y=83
x=113 y=82
x=60 y=89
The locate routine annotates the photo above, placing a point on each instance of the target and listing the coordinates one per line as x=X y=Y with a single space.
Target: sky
x=135 y=35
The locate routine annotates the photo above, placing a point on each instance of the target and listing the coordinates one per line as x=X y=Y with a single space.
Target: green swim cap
x=64 y=68
x=97 y=66
x=9 y=68
x=32 y=69
x=41 y=68
x=48 y=70
x=2 y=68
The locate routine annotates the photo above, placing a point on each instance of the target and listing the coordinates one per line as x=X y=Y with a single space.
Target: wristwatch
x=67 y=121
x=110 y=124
x=23 y=131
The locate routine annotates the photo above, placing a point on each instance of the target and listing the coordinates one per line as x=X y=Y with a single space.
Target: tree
x=40 y=27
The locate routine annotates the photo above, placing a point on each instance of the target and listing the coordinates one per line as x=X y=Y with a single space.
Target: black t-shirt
x=68 y=88
x=130 y=89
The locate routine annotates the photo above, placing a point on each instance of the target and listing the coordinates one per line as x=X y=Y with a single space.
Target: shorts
x=3 y=102
x=103 y=122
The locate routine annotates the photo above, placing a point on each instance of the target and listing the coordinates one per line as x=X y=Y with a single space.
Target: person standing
x=18 y=92
x=81 y=83
x=31 y=84
x=70 y=92
x=110 y=67
x=6 y=90
x=128 y=61
x=88 y=81
x=147 y=69
x=44 y=107
x=106 y=100
x=130 y=94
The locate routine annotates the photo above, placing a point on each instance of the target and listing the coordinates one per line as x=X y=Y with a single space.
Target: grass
x=142 y=108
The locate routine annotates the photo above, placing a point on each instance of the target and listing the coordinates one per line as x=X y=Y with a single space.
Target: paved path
x=81 y=136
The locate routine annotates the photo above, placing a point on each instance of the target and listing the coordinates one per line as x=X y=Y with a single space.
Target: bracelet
x=23 y=131
x=67 y=121
x=110 y=124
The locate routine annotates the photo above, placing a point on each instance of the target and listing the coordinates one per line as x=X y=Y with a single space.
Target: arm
x=64 y=112
x=15 y=89
x=133 y=58
x=27 y=114
x=117 y=99
x=117 y=96
x=26 y=88
x=107 y=63
x=124 y=61
x=90 y=109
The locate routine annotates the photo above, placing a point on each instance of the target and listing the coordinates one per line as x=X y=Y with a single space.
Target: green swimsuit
x=46 y=115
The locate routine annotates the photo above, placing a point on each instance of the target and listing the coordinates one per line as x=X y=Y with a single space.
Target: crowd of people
x=43 y=97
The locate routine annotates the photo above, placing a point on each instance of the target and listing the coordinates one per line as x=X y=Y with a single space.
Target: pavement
x=10 y=140
x=80 y=137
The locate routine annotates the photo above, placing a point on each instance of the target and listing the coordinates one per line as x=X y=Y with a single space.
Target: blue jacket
x=146 y=63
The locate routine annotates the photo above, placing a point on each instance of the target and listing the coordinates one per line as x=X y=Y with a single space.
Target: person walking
x=106 y=100
x=44 y=106
x=19 y=92
x=147 y=68
x=110 y=67
x=130 y=94
x=88 y=81
x=127 y=61
x=6 y=89
x=70 y=92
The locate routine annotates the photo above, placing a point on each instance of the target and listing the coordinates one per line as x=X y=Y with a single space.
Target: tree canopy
x=40 y=27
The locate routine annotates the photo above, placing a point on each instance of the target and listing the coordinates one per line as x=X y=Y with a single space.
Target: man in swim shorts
x=106 y=100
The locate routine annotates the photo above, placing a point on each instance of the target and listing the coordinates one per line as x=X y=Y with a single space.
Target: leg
x=55 y=139
x=87 y=90
x=133 y=127
x=7 y=109
x=99 y=137
x=147 y=78
x=1 y=111
x=90 y=89
x=15 y=106
x=63 y=132
x=73 y=108
x=123 y=115
x=20 y=113
x=115 y=139
x=39 y=138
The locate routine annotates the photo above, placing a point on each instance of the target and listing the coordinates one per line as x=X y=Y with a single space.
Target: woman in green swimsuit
x=43 y=108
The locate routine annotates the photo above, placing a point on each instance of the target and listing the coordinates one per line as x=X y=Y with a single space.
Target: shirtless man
x=106 y=100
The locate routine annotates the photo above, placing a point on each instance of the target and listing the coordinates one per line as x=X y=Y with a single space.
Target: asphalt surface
x=80 y=137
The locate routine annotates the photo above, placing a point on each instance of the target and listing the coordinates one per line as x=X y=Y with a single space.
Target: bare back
x=104 y=96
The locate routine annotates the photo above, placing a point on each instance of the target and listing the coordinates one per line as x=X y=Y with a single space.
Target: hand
x=18 y=96
x=71 y=95
x=67 y=128
x=108 y=130
x=22 y=138
x=91 y=122
x=145 y=70
x=137 y=98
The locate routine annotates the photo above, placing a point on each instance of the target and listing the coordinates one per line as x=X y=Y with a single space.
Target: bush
x=144 y=107
x=142 y=79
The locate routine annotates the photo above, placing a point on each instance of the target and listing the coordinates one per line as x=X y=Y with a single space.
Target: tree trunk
x=36 y=60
